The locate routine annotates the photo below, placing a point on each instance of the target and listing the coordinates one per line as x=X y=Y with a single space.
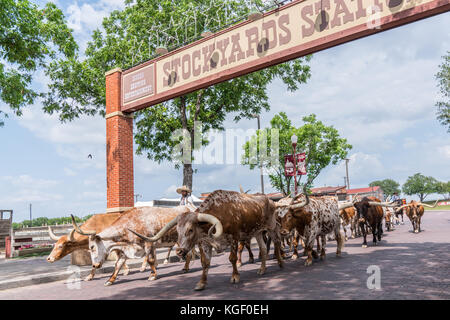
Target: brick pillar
x=119 y=148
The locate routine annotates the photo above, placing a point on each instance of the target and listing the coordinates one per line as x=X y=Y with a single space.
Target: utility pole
x=346 y=170
x=136 y=196
x=31 y=217
x=260 y=160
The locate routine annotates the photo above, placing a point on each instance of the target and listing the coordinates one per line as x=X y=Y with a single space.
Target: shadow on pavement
x=414 y=271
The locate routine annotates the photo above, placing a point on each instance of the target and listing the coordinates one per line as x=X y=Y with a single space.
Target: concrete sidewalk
x=16 y=273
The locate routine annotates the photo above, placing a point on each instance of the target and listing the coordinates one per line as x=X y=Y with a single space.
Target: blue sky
x=379 y=92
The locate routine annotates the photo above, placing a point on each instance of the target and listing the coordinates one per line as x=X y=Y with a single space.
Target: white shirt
x=185 y=200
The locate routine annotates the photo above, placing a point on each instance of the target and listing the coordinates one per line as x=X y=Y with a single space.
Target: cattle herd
x=229 y=220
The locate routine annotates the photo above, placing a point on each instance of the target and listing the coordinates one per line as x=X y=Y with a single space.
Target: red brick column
x=119 y=148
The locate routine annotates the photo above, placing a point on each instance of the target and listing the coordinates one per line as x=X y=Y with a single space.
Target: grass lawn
x=31 y=255
x=447 y=207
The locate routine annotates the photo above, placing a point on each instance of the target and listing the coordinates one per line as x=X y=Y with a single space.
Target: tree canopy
x=420 y=185
x=29 y=38
x=389 y=186
x=443 y=188
x=44 y=221
x=132 y=35
x=443 y=77
x=322 y=144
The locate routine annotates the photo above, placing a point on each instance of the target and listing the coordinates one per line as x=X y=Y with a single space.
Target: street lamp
x=260 y=160
x=346 y=170
x=294 y=146
x=206 y=33
x=161 y=50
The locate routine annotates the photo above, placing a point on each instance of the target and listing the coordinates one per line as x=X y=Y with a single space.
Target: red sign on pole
x=289 y=164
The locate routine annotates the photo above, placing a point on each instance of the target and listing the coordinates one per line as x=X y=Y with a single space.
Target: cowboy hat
x=183 y=188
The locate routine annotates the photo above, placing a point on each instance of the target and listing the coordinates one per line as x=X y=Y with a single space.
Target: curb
x=25 y=281
x=65 y=275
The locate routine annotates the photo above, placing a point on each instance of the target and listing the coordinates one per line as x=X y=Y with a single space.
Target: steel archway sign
x=294 y=30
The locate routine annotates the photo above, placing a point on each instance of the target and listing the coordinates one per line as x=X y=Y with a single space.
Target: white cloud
x=409 y=142
x=171 y=191
x=444 y=151
x=25 y=188
x=84 y=16
x=363 y=168
x=69 y=172
x=73 y=140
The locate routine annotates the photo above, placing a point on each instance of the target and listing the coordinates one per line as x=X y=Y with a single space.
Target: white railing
x=35 y=239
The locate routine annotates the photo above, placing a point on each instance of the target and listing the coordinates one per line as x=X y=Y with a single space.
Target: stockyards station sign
x=291 y=31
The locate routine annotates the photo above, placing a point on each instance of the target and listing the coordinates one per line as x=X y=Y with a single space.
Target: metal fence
x=35 y=239
x=5 y=226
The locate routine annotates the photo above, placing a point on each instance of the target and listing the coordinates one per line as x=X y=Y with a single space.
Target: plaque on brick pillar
x=80 y=258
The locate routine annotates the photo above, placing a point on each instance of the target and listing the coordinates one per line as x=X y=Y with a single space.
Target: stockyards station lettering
x=294 y=30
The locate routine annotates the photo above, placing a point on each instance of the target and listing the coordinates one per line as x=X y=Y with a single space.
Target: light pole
x=294 y=146
x=137 y=196
x=346 y=170
x=260 y=160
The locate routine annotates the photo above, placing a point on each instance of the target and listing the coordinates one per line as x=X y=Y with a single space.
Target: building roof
x=328 y=190
x=363 y=190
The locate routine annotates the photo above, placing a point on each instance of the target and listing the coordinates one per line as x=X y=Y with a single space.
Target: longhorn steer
x=146 y=220
x=313 y=218
x=348 y=218
x=234 y=217
x=415 y=210
x=370 y=214
x=389 y=219
x=74 y=241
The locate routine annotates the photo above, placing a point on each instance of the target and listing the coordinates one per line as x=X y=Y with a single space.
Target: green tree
x=78 y=86
x=443 y=188
x=443 y=77
x=420 y=185
x=322 y=144
x=389 y=186
x=29 y=38
x=44 y=221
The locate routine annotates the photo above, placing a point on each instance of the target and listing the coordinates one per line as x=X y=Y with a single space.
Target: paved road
x=413 y=266
x=35 y=266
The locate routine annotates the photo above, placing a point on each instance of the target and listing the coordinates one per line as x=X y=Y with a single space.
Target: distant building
x=366 y=192
x=339 y=191
x=167 y=202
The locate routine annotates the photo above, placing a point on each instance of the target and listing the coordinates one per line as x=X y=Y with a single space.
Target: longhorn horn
x=295 y=198
x=52 y=235
x=401 y=207
x=204 y=217
x=382 y=204
x=71 y=235
x=303 y=203
x=427 y=205
x=161 y=232
x=345 y=205
x=355 y=197
x=241 y=189
x=77 y=229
